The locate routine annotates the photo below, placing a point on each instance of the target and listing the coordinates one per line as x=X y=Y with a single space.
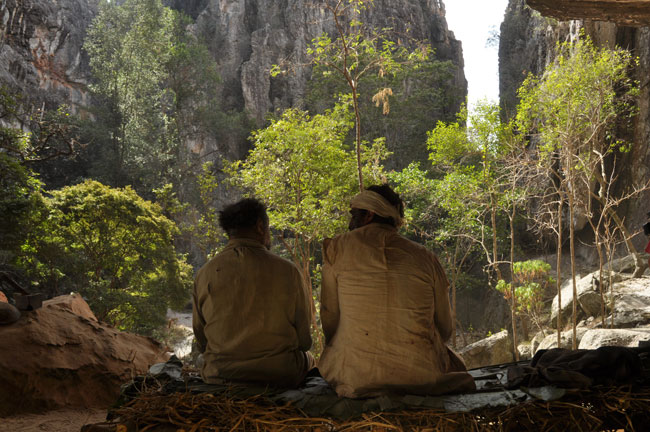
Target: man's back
x=385 y=315
x=251 y=316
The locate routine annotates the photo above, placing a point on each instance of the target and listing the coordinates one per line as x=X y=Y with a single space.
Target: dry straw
x=599 y=409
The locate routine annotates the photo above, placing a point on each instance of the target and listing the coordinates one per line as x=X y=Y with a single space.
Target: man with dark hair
x=385 y=308
x=251 y=311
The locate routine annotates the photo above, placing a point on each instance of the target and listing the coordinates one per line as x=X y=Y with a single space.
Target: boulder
x=75 y=304
x=537 y=339
x=9 y=314
x=589 y=300
x=525 y=351
x=495 y=349
x=566 y=339
x=60 y=355
x=631 y=303
x=625 y=264
x=596 y=338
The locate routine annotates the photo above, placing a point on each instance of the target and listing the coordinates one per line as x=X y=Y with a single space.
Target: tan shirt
x=386 y=316
x=251 y=316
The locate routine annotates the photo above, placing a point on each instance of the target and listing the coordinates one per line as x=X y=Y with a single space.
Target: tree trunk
x=512 y=284
x=559 y=271
x=574 y=312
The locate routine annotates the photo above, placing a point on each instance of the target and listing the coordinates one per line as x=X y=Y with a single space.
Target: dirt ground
x=64 y=420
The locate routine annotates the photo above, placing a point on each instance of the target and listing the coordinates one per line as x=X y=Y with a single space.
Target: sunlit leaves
x=302 y=169
x=113 y=247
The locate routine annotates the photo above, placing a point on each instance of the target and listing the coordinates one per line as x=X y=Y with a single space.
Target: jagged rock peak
x=248 y=36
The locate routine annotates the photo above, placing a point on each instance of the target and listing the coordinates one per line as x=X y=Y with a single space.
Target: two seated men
x=384 y=307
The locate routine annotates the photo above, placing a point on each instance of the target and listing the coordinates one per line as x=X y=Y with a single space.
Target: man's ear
x=367 y=218
x=260 y=227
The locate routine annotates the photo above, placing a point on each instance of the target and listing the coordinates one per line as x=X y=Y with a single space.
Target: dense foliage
x=158 y=87
x=114 y=248
x=472 y=184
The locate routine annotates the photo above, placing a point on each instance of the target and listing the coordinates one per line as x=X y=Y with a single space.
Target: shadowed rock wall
x=40 y=50
x=527 y=45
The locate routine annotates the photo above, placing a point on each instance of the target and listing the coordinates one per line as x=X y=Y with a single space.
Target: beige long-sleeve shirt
x=386 y=316
x=251 y=316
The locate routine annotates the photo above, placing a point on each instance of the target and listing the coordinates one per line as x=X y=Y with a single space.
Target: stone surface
x=525 y=351
x=627 y=12
x=537 y=339
x=247 y=37
x=9 y=314
x=589 y=299
x=595 y=338
x=60 y=355
x=40 y=50
x=493 y=350
x=566 y=339
x=526 y=45
x=631 y=303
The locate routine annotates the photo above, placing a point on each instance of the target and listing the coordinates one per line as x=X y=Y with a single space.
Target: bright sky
x=472 y=22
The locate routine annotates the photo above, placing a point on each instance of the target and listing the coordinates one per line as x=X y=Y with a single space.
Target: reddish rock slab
x=61 y=356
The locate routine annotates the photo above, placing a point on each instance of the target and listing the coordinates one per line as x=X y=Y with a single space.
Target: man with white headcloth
x=385 y=308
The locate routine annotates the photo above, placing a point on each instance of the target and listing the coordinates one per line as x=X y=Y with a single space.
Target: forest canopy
x=120 y=204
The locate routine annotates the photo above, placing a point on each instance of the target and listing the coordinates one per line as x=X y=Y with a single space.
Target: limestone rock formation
x=527 y=42
x=40 y=50
x=248 y=37
x=596 y=338
x=589 y=300
x=495 y=349
x=628 y=12
x=566 y=340
x=60 y=355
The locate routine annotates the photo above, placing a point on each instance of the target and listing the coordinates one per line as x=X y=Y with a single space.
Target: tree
x=356 y=53
x=114 y=248
x=158 y=87
x=301 y=168
x=529 y=284
x=573 y=108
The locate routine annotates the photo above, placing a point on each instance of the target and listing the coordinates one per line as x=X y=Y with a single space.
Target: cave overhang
x=634 y=13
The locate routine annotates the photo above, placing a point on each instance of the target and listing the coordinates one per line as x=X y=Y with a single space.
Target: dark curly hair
x=242 y=215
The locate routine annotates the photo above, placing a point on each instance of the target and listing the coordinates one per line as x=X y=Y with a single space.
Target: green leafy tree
x=356 y=53
x=480 y=165
x=573 y=109
x=158 y=87
x=302 y=169
x=20 y=205
x=530 y=285
x=114 y=248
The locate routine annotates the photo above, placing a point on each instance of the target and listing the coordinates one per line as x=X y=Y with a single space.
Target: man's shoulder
x=278 y=261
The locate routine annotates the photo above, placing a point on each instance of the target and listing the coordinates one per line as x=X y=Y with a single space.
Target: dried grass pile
x=598 y=409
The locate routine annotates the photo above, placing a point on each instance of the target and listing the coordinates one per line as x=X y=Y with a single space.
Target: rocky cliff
x=40 y=50
x=527 y=44
x=41 y=55
x=248 y=37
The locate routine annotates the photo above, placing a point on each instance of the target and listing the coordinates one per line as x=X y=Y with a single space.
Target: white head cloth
x=372 y=201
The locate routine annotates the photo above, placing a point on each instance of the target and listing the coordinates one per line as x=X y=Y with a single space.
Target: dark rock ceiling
x=623 y=12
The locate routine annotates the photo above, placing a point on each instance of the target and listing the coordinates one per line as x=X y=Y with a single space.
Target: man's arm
x=329 y=297
x=303 y=314
x=442 y=308
x=198 y=322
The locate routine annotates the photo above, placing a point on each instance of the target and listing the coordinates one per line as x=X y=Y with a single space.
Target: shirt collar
x=244 y=242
